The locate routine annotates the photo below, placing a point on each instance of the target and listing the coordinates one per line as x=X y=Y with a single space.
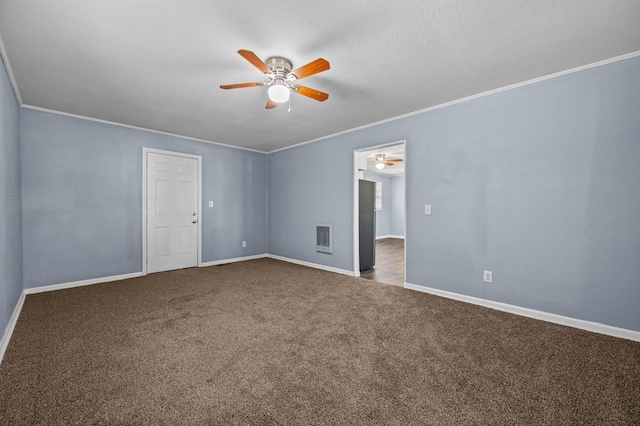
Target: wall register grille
x=324 y=239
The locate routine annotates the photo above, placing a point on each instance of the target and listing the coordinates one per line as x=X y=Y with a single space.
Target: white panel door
x=172 y=206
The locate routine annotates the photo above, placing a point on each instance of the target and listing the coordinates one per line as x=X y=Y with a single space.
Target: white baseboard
x=312 y=265
x=34 y=290
x=382 y=237
x=12 y=323
x=532 y=313
x=232 y=260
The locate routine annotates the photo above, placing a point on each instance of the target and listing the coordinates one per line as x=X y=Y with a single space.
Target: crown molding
x=5 y=60
x=128 y=126
x=472 y=97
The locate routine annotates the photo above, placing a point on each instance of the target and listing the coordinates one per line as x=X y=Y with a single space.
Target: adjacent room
x=381 y=214
x=440 y=224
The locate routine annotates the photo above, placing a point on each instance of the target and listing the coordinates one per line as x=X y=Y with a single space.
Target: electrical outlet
x=488 y=276
x=244 y=244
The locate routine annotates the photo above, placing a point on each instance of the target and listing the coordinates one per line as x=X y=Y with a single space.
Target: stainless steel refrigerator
x=367 y=229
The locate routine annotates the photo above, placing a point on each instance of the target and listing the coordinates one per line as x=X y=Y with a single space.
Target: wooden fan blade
x=388 y=163
x=240 y=85
x=255 y=61
x=311 y=93
x=395 y=160
x=271 y=104
x=311 y=68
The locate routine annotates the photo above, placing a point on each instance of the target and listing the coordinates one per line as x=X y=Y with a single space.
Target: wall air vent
x=324 y=239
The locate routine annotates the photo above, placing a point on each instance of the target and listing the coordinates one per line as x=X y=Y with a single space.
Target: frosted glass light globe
x=279 y=93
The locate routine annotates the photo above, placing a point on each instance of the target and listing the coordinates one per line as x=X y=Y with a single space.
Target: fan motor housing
x=280 y=67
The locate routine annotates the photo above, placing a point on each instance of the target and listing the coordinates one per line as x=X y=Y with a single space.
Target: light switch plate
x=210 y=203
x=427 y=209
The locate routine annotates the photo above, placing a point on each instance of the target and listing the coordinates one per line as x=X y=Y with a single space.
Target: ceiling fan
x=282 y=78
x=381 y=161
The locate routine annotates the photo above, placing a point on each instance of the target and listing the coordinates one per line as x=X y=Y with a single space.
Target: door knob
x=195 y=221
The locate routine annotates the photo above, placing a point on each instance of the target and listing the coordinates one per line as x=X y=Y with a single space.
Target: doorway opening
x=379 y=235
x=171 y=194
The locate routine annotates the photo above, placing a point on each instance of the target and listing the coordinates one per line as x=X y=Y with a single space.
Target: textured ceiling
x=158 y=64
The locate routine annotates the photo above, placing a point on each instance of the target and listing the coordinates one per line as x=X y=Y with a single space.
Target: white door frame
x=356 y=204
x=198 y=158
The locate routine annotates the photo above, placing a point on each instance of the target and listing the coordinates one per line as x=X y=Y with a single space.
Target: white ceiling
x=158 y=64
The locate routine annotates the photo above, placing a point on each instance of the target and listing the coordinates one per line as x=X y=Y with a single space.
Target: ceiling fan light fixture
x=279 y=93
x=379 y=166
x=278 y=70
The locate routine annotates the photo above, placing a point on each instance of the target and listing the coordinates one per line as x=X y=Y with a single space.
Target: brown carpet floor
x=270 y=343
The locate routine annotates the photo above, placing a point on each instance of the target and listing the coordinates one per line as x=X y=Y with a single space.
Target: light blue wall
x=396 y=205
x=303 y=192
x=383 y=217
x=82 y=198
x=10 y=205
x=538 y=184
